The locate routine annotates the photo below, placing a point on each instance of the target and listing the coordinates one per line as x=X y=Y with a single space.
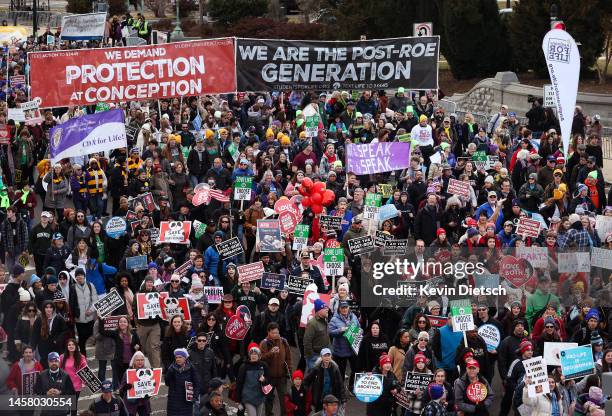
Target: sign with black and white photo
x=331 y=222
x=297 y=285
x=230 y=248
x=268 y=238
x=410 y=62
x=108 y=303
x=111 y=323
x=90 y=379
x=272 y=281
x=417 y=381
x=395 y=247
x=360 y=245
x=381 y=237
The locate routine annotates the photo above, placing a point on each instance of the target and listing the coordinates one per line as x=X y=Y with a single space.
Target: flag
x=219 y=195
x=197 y=122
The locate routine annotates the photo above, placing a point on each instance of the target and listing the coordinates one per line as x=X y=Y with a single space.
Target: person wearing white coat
x=549 y=404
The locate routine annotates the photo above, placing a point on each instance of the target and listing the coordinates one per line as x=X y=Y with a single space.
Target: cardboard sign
x=437 y=321
x=90 y=379
x=536 y=369
x=536 y=256
x=333 y=260
x=457 y=187
x=577 y=362
x=462 y=317
x=331 y=222
x=395 y=248
x=297 y=285
x=417 y=381
x=528 y=228
x=552 y=351
x=273 y=281
x=269 y=236
x=476 y=392
x=250 y=272
x=491 y=335
x=381 y=237
x=312 y=125
x=243 y=187
x=115 y=227
x=300 y=237
x=176 y=232
x=360 y=245
x=368 y=387
x=136 y=263
x=28 y=380
x=106 y=305
x=516 y=271
x=171 y=307
x=354 y=336
x=148 y=305
x=601 y=257
x=573 y=262
x=144 y=381
x=310 y=295
x=214 y=294
x=230 y=248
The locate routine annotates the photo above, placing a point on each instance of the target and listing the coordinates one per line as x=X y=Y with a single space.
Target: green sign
x=405 y=138
x=199 y=228
x=354 y=336
x=102 y=107
x=461 y=311
x=373 y=200
x=333 y=259
x=243 y=188
x=233 y=151
x=300 y=236
x=480 y=156
x=312 y=126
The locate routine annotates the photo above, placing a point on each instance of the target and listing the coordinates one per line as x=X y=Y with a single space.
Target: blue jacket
x=98 y=275
x=486 y=207
x=211 y=262
x=449 y=340
x=505 y=239
x=340 y=345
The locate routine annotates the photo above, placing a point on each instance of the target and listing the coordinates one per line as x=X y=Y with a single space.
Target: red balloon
x=303 y=191
x=316 y=199
x=306 y=201
x=307 y=183
x=328 y=197
x=316 y=208
x=318 y=188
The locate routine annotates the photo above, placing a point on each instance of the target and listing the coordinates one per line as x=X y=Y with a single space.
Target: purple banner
x=365 y=159
x=88 y=134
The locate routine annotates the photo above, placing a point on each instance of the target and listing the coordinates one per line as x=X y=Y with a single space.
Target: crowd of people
x=54 y=217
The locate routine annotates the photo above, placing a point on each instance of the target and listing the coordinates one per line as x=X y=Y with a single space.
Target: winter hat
x=150 y=278
x=435 y=391
x=343 y=286
x=472 y=232
x=254 y=347
x=18 y=269
x=215 y=383
x=24 y=295
x=319 y=304
x=432 y=304
x=549 y=321
x=52 y=280
x=384 y=359
x=196 y=283
x=423 y=334
x=595 y=395
x=574 y=218
x=468 y=355
x=440 y=231
x=152 y=265
x=525 y=345
x=472 y=363
x=297 y=374
x=181 y=352
x=53 y=356
x=58 y=296
x=592 y=314
x=516 y=303
x=596 y=339
x=420 y=358
x=422 y=118
x=34 y=279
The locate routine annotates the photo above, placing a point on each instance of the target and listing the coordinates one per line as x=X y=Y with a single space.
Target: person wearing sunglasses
x=202 y=357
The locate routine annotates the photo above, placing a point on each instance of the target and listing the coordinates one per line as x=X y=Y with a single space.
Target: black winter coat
x=314 y=380
x=204 y=363
x=47 y=380
x=176 y=379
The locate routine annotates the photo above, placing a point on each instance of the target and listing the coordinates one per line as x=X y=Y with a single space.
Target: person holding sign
x=415 y=397
x=343 y=353
x=183 y=384
x=473 y=393
x=141 y=406
x=515 y=372
x=384 y=404
x=24 y=369
x=544 y=404
x=107 y=403
x=71 y=362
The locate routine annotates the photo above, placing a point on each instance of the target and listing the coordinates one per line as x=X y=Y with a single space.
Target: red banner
x=89 y=76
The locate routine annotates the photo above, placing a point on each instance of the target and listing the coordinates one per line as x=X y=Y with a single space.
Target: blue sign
x=368 y=387
x=136 y=263
x=577 y=362
x=387 y=212
x=115 y=227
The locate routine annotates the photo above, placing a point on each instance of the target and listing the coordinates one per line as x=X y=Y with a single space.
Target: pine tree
x=230 y=11
x=473 y=40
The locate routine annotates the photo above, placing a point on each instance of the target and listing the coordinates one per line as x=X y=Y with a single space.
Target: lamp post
x=177 y=34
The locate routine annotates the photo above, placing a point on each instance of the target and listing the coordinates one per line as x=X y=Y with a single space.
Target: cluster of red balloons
x=315 y=195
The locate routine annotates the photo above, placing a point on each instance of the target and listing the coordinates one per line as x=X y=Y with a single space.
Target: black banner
x=90 y=379
x=360 y=245
x=297 y=285
x=230 y=248
x=331 y=222
x=410 y=62
x=395 y=248
x=417 y=381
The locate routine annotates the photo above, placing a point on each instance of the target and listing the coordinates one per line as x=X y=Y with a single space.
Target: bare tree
x=158 y=7
x=602 y=70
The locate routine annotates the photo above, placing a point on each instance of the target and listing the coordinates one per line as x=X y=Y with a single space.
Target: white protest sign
x=603 y=224
x=83 y=26
x=491 y=335
x=552 y=351
x=574 y=262
x=535 y=368
x=601 y=257
x=462 y=317
x=536 y=256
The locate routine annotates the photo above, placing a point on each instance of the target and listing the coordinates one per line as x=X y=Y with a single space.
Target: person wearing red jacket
x=27 y=364
x=299 y=399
